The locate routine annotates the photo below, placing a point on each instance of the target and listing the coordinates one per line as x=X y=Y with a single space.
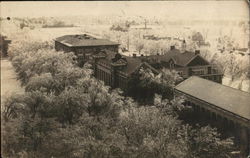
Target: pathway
x=9 y=82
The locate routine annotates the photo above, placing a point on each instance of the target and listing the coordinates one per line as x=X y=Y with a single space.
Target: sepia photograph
x=125 y=79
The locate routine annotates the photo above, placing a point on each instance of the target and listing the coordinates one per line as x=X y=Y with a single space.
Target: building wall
x=110 y=75
x=201 y=71
x=61 y=47
x=84 y=53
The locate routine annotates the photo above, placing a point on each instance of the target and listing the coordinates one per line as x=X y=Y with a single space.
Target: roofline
x=115 y=44
x=211 y=82
x=144 y=63
x=150 y=67
x=239 y=116
x=98 y=45
x=194 y=58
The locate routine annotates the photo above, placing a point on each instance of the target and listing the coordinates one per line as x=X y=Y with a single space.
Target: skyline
x=197 y=10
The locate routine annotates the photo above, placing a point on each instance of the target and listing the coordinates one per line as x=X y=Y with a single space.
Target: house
x=83 y=45
x=116 y=69
x=185 y=63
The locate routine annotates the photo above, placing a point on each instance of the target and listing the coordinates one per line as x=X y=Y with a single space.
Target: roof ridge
x=220 y=84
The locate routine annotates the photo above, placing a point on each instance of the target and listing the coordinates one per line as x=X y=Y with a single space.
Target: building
x=4 y=45
x=186 y=64
x=116 y=69
x=224 y=105
x=84 y=46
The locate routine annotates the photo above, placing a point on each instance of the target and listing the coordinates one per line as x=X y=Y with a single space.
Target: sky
x=205 y=10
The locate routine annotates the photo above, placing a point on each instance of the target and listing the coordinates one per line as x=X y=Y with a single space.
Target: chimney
x=197 y=52
x=134 y=55
x=172 y=47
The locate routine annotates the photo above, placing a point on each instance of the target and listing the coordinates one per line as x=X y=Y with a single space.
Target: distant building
x=4 y=45
x=186 y=64
x=84 y=46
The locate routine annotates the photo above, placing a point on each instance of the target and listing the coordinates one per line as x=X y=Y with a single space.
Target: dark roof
x=83 y=40
x=133 y=63
x=224 y=97
x=181 y=59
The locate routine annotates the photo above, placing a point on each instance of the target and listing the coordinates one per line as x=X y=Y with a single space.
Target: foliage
x=66 y=112
x=231 y=64
x=204 y=142
x=197 y=37
x=146 y=84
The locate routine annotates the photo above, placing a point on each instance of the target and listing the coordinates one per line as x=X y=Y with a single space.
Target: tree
x=139 y=45
x=145 y=84
x=198 y=38
x=205 y=142
x=66 y=112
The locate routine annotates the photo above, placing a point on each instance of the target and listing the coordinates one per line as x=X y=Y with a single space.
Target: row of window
x=198 y=72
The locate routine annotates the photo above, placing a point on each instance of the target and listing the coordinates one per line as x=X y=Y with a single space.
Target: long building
x=223 y=103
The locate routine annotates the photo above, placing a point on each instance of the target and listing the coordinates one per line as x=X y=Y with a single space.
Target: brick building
x=116 y=69
x=84 y=46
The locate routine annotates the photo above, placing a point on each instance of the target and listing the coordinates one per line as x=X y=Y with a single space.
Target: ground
x=9 y=83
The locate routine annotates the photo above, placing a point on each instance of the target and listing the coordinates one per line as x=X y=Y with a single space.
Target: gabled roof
x=224 y=97
x=133 y=63
x=83 y=40
x=181 y=59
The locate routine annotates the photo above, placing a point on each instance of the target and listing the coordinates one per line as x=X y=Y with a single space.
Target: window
x=198 y=72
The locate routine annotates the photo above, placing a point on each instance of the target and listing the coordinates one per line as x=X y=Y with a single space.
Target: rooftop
x=181 y=59
x=133 y=63
x=83 y=40
x=224 y=97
